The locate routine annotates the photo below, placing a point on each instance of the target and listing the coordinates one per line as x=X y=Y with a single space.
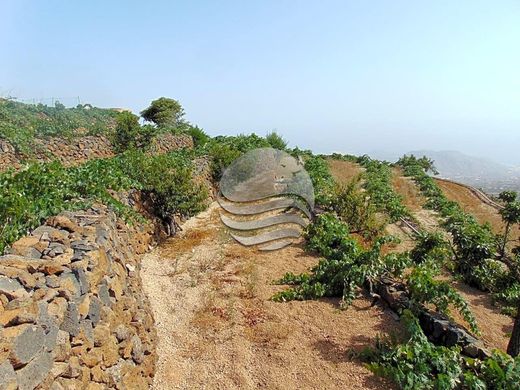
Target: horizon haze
x=350 y=77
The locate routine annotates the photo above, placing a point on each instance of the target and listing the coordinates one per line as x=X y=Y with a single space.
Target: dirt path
x=218 y=329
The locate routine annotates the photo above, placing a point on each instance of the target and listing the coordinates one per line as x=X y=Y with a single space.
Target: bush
x=129 y=134
x=378 y=183
x=276 y=141
x=418 y=364
x=353 y=207
x=200 y=138
x=39 y=191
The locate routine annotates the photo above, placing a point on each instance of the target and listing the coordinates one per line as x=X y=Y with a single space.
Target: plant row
x=478 y=253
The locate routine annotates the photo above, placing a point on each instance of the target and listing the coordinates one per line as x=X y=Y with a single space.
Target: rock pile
x=72 y=311
x=436 y=326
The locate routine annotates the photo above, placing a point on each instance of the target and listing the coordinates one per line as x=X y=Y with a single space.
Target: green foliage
x=130 y=134
x=473 y=244
x=223 y=150
x=200 y=138
x=276 y=141
x=418 y=364
x=168 y=180
x=378 y=183
x=508 y=196
x=38 y=191
x=21 y=123
x=345 y=266
x=424 y=288
x=424 y=163
x=164 y=112
x=353 y=207
x=322 y=180
x=432 y=247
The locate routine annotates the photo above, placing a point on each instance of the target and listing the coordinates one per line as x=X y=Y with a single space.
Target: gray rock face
x=82 y=245
x=82 y=279
x=70 y=322
x=7 y=376
x=11 y=287
x=35 y=372
x=137 y=350
x=27 y=345
x=104 y=295
x=94 y=311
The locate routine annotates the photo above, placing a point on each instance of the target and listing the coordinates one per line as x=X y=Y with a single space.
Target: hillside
x=21 y=123
x=476 y=171
x=117 y=273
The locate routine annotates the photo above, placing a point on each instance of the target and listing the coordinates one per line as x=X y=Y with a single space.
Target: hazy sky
x=348 y=76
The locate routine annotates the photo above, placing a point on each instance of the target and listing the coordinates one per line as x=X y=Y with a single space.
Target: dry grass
x=344 y=171
x=405 y=187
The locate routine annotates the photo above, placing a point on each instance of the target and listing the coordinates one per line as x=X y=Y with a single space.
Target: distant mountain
x=480 y=172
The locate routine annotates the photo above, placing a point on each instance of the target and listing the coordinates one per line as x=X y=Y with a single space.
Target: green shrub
x=21 y=123
x=30 y=196
x=164 y=112
x=276 y=141
x=322 y=180
x=418 y=364
x=353 y=207
x=378 y=183
x=200 y=138
x=130 y=134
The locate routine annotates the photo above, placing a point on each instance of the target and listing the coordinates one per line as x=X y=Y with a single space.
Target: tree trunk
x=504 y=242
x=513 y=348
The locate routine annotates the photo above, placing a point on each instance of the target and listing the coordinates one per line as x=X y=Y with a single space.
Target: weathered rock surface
x=437 y=327
x=77 y=317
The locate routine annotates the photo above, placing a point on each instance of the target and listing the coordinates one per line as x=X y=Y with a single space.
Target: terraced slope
x=472 y=203
x=495 y=327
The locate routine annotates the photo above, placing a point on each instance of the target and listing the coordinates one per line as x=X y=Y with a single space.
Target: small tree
x=510 y=215
x=164 y=112
x=127 y=131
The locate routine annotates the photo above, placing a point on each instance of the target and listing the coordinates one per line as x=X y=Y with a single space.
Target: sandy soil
x=495 y=328
x=218 y=328
x=473 y=205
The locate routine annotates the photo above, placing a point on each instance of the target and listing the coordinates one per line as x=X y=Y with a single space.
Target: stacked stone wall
x=81 y=149
x=72 y=310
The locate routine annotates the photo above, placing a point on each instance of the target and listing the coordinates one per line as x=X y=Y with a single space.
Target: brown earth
x=472 y=204
x=218 y=329
x=404 y=186
x=495 y=328
x=344 y=171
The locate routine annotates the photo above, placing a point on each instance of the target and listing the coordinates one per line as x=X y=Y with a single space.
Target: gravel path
x=217 y=328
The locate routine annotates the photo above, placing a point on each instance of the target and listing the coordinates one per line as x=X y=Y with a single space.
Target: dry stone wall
x=73 y=314
x=79 y=150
